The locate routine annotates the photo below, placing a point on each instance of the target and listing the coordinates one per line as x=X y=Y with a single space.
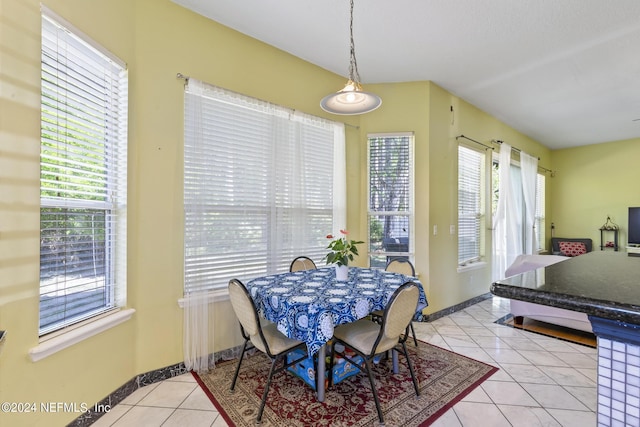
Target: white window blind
x=540 y=208
x=470 y=170
x=390 y=197
x=260 y=184
x=83 y=177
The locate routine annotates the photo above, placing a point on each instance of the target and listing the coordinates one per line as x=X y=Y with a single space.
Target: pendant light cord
x=351 y=99
x=354 y=76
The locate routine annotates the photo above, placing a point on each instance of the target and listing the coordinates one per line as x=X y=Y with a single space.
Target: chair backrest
x=302 y=263
x=402 y=266
x=244 y=307
x=399 y=312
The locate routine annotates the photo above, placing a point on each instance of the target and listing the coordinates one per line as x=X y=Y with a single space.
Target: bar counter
x=606 y=286
x=602 y=284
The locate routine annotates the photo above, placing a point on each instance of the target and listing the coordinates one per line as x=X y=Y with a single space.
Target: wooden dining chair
x=302 y=263
x=368 y=339
x=402 y=266
x=265 y=338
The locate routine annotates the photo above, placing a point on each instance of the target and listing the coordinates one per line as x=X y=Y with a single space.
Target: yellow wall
x=70 y=375
x=158 y=39
x=425 y=109
x=591 y=183
x=448 y=286
x=405 y=108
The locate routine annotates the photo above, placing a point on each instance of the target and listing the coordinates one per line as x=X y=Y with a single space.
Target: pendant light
x=351 y=99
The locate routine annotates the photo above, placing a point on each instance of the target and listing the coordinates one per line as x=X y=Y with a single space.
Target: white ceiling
x=564 y=72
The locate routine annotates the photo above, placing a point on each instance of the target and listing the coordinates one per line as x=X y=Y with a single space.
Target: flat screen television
x=633 y=236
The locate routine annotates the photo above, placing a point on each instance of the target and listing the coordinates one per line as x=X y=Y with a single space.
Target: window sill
x=74 y=336
x=217 y=295
x=473 y=266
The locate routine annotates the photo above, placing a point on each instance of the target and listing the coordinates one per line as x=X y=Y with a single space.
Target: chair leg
x=413 y=375
x=330 y=367
x=266 y=389
x=367 y=365
x=413 y=332
x=235 y=377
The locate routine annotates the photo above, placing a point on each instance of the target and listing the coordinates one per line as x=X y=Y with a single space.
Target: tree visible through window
x=390 y=197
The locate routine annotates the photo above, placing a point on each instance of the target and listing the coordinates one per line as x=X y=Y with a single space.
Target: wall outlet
x=452 y=229
x=435 y=230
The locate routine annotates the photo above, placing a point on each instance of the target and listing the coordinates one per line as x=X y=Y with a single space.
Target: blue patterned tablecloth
x=307 y=305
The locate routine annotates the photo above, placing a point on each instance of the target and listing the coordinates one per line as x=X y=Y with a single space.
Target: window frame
x=378 y=257
x=83 y=170
x=479 y=216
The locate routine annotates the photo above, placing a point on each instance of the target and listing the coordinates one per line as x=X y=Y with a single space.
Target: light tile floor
x=541 y=382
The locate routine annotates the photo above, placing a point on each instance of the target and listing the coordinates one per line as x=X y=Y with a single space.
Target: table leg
x=321 y=373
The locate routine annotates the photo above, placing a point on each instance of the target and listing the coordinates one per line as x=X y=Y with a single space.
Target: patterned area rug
x=444 y=378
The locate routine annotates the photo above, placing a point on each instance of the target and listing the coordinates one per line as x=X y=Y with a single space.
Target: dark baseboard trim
x=102 y=407
x=468 y=303
x=139 y=381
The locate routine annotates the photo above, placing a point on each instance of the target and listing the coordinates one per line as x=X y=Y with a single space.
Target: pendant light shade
x=351 y=99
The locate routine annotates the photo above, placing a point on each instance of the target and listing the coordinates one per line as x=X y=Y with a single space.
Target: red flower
x=329 y=236
x=345 y=232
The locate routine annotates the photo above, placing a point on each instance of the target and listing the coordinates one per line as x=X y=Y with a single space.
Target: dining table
x=308 y=305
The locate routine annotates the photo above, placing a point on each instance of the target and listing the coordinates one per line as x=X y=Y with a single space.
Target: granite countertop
x=604 y=284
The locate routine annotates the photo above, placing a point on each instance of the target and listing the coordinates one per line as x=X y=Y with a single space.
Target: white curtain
x=196 y=306
x=339 y=180
x=500 y=222
x=262 y=184
x=529 y=169
x=514 y=221
x=197 y=331
x=515 y=212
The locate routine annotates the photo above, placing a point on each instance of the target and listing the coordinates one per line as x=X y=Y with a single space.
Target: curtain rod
x=547 y=170
x=186 y=79
x=496 y=141
x=473 y=140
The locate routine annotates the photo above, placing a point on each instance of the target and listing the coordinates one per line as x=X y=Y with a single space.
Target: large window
x=470 y=204
x=83 y=177
x=390 y=197
x=262 y=185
